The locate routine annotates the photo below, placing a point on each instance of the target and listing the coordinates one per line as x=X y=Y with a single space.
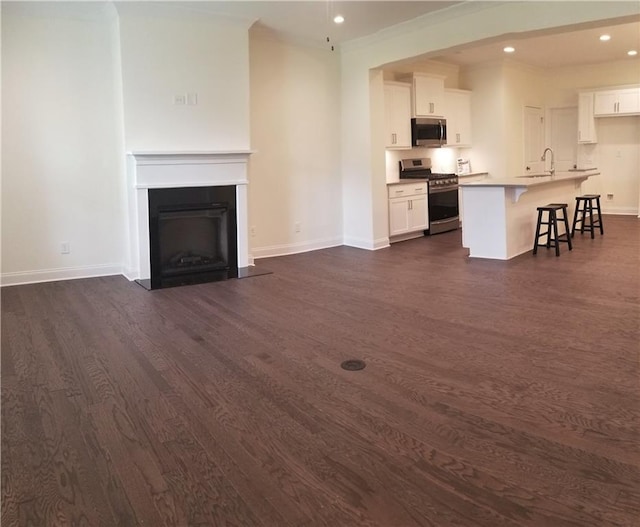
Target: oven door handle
x=441 y=190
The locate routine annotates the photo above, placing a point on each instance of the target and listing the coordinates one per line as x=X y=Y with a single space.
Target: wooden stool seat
x=584 y=215
x=552 y=237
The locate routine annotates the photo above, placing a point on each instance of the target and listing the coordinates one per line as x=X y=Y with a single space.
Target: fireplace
x=192 y=235
x=187 y=217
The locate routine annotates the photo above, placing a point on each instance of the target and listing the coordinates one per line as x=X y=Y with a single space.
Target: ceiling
x=569 y=48
x=311 y=22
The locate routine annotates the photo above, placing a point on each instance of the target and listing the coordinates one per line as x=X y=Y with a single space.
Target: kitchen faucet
x=544 y=158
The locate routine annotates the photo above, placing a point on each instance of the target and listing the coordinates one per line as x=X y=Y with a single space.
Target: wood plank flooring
x=495 y=393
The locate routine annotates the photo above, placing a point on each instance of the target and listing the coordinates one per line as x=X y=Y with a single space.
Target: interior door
x=563 y=126
x=533 y=140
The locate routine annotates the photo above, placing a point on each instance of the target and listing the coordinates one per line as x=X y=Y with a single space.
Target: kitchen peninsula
x=500 y=214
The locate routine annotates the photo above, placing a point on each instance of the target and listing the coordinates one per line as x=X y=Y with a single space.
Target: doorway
x=533 y=140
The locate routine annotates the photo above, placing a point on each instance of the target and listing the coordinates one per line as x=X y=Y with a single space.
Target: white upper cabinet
x=586 y=122
x=397 y=115
x=457 y=112
x=617 y=102
x=427 y=95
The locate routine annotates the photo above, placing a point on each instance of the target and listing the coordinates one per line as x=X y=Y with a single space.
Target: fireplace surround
x=222 y=205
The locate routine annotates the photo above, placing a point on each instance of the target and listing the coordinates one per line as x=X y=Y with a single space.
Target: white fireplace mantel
x=177 y=169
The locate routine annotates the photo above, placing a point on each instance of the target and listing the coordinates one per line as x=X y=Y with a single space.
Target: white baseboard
x=294 y=248
x=130 y=274
x=370 y=245
x=53 y=275
x=622 y=211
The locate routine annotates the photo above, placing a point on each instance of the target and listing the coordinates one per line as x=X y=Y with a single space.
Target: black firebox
x=192 y=235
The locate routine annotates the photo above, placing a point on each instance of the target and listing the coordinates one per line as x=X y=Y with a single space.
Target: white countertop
x=529 y=181
x=472 y=174
x=407 y=181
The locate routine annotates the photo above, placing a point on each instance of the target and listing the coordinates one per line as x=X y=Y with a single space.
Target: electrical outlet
x=252 y=230
x=65 y=248
x=609 y=196
x=296 y=226
x=180 y=99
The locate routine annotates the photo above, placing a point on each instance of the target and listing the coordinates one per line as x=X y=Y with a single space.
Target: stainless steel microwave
x=428 y=131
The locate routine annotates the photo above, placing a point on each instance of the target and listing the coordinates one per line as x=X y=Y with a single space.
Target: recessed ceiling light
x=604 y=38
x=632 y=52
x=509 y=49
x=338 y=19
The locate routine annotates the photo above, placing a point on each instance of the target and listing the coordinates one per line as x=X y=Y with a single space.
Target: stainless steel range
x=442 y=193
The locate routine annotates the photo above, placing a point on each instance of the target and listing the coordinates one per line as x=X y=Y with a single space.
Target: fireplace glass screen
x=193 y=241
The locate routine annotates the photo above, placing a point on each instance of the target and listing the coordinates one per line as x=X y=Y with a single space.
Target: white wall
x=171 y=51
x=500 y=92
x=356 y=154
x=618 y=160
x=524 y=86
x=62 y=150
x=294 y=173
x=488 y=117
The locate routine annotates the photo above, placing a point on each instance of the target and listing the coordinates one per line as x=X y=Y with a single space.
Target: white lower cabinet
x=408 y=209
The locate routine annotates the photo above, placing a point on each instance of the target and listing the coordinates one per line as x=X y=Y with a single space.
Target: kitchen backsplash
x=443 y=160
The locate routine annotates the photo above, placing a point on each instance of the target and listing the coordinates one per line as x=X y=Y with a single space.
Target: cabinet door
x=418 y=213
x=605 y=103
x=428 y=96
x=629 y=101
x=402 y=115
x=397 y=112
x=617 y=102
x=398 y=216
x=458 y=116
x=586 y=123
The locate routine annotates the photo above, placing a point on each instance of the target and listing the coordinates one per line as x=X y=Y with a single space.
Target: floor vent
x=353 y=365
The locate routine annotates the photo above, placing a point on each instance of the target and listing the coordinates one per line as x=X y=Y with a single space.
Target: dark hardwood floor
x=495 y=393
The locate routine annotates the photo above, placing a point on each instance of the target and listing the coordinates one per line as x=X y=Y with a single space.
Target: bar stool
x=552 y=227
x=584 y=207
